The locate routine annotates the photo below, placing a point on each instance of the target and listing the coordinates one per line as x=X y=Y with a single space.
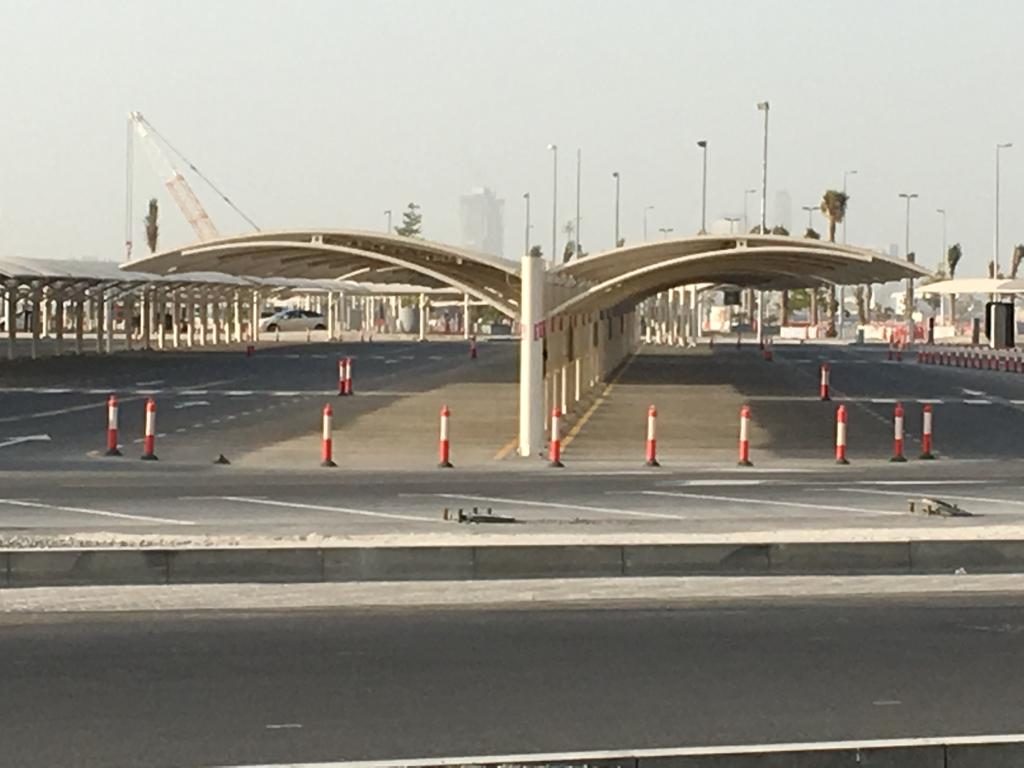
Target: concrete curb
x=37 y=568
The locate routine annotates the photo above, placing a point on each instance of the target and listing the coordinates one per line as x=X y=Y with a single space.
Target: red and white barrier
x=555 y=451
x=327 y=443
x=745 y=437
x=926 y=432
x=472 y=348
x=444 y=447
x=841 y=435
x=112 y=446
x=767 y=352
x=897 y=440
x=652 y=441
x=149 y=437
x=826 y=373
x=341 y=376
x=348 y=375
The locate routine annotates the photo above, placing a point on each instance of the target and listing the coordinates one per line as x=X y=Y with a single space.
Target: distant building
x=482 y=217
x=783 y=212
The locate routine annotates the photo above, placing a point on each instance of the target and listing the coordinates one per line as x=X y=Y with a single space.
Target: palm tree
x=1018 y=256
x=833 y=205
x=813 y=235
x=953 y=256
x=152 y=225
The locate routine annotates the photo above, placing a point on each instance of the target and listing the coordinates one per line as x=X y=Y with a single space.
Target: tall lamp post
x=732 y=221
x=554 y=202
x=746 y=194
x=942 y=261
x=842 y=288
x=387 y=216
x=577 y=250
x=646 y=209
x=999 y=148
x=908 y=196
x=615 y=175
x=763 y=106
x=526 y=240
x=703 y=187
x=810 y=213
x=665 y=232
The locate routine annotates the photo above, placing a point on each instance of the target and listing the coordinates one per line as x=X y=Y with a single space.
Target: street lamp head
x=749 y=191
x=703 y=144
x=649 y=208
x=1007 y=145
x=906 y=196
x=553 y=147
x=526 y=195
x=941 y=210
x=762 y=106
x=615 y=174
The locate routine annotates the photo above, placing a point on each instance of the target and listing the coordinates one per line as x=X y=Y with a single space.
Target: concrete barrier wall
x=28 y=568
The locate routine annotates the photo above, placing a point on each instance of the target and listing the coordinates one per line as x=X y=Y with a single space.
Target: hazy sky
x=325 y=113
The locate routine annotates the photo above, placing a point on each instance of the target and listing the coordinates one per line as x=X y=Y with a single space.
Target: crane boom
x=176 y=184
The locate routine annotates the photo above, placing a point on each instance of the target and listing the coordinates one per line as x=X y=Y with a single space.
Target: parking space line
x=97 y=512
x=954 y=497
x=769 y=502
x=322 y=508
x=558 y=505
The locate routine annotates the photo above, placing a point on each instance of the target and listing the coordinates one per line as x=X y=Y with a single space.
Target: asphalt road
x=176 y=689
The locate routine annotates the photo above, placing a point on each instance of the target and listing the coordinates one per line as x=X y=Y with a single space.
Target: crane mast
x=179 y=188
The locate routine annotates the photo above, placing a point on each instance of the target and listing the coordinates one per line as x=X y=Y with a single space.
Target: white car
x=294 y=320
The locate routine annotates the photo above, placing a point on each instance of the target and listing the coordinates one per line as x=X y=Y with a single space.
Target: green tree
x=833 y=205
x=811 y=234
x=537 y=252
x=780 y=230
x=412 y=222
x=152 y=225
x=953 y=256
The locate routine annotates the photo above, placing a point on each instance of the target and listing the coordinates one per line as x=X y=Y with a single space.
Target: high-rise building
x=783 y=212
x=482 y=217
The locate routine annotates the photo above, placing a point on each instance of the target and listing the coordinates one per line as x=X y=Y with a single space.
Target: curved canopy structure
x=766 y=262
x=367 y=257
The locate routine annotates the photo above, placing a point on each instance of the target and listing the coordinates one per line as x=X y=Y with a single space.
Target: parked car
x=294 y=320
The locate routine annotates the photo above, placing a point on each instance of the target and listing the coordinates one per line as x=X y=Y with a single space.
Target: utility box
x=999 y=324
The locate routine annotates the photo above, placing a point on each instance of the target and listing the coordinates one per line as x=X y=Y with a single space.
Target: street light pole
x=648 y=208
x=942 y=261
x=810 y=213
x=579 y=164
x=704 y=187
x=999 y=147
x=846 y=175
x=526 y=197
x=387 y=216
x=746 y=194
x=910 y=281
x=665 y=232
x=732 y=220
x=554 y=201
x=615 y=175
x=763 y=107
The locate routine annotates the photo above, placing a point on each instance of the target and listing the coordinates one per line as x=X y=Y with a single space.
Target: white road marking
x=719 y=482
x=322 y=508
x=391 y=361
x=193 y=392
x=147 y=392
x=282 y=726
x=53 y=391
x=25 y=439
x=557 y=505
x=918 y=482
x=238 y=393
x=583 y=758
x=887 y=703
x=977 y=402
x=435 y=357
x=883 y=400
x=954 y=497
x=191 y=404
x=931 y=401
x=283 y=393
x=149 y=383
x=769 y=502
x=97 y=512
x=181 y=429
x=972 y=392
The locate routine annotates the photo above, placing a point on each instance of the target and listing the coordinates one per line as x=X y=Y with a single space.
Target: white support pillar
x=331 y=312
x=215 y=318
x=99 y=305
x=176 y=322
x=37 y=306
x=423 y=317
x=760 y=317
x=467 y=320
x=58 y=319
x=160 y=318
x=236 y=335
x=204 y=317
x=577 y=377
x=108 y=319
x=147 y=318
x=79 y=325
x=531 y=363
x=254 y=323
x=12 y=318
x=129 y=321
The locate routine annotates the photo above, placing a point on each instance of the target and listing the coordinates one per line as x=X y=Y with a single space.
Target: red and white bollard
x=341 y=376
x=841 y=435
x=826 y=373
x=112 y=447
x=897 y=438
x=348 y=375
x=444 y=448
x=768 y=353
x=555 y=451
x=472 y=348
x=327 y=444
x=652 y=441
x=149 y=437
x=745 y=437
x=926 y=432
